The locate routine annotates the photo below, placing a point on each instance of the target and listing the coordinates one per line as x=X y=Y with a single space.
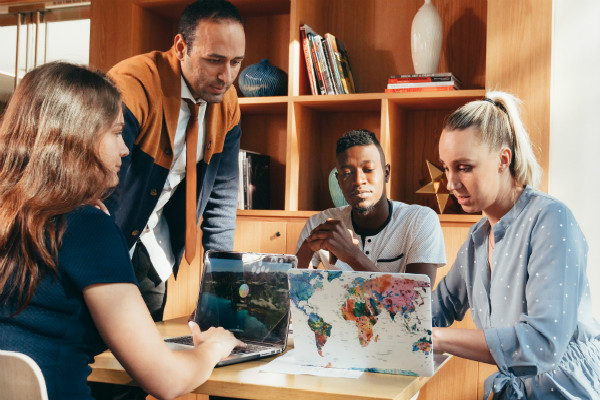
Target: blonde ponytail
x=498 y=119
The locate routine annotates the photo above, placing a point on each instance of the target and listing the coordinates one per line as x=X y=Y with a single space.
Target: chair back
x=20 y=377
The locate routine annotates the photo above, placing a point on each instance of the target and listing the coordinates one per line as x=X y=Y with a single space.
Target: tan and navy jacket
x=151 y=88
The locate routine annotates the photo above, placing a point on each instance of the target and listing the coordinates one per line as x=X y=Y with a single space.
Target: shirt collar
x=362 y=232
x=512 y=214
x=506 y=221
x=186 y=94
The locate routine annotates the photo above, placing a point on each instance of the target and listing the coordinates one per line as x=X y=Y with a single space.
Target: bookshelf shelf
x=360 y=101
x=433 y=100
x=264 y=105
x=259 y=214
x=340 y=102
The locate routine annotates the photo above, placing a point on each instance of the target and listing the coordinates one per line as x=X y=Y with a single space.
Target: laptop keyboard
x=187 y=340
x=250 y=348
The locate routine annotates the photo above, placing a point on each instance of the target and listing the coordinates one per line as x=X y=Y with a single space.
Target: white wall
x=574 y=173
x=66 y=40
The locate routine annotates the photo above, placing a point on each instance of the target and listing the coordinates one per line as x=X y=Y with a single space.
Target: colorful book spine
x=346 y=65
x=417 y=76
x=403 y=85
x=422 y=80
x=316 y=64
x=422 y=89
x=329 y=88
x=242 y=180
x=254 y=181
x=331 y=63
x=308 y=58
x=327 y=63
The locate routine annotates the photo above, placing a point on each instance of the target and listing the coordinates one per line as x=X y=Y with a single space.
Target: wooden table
x=244 y=380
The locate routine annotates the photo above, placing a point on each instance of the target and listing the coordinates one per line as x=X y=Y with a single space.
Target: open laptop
x=248 y=294
x=373 y=321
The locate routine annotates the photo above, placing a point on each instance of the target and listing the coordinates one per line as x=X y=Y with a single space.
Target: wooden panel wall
x=107 y=44
x=519 y=42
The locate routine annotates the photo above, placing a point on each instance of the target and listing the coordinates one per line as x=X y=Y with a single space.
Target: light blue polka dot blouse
x=535 y=308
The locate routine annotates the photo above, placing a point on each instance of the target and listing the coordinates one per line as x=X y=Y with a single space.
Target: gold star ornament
x=437 y=186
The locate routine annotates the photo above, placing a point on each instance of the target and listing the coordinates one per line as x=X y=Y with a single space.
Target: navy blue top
x=56 y=328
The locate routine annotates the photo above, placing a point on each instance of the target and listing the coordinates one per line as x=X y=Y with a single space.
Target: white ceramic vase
x=426 y=39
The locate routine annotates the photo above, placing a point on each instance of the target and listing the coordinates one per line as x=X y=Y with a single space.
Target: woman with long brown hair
x=67 y=286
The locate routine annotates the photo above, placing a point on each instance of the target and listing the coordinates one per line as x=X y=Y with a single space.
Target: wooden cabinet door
x=260 y=236
x=292 y=233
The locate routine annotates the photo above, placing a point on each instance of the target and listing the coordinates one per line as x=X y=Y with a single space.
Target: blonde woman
x=522 y=270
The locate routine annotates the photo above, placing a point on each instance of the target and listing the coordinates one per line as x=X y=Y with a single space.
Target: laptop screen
x=246 y=293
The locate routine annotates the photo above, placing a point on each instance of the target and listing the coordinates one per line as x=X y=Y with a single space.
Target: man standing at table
x=372 y=233
x=182 y=126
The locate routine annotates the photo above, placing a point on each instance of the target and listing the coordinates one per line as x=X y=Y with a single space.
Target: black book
x=256 y=180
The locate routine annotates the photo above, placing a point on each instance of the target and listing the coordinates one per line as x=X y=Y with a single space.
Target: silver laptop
x=248 y=294
x=372 y=321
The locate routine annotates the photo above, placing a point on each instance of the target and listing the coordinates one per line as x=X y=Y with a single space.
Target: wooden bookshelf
x=299 y=130
x=493 y=44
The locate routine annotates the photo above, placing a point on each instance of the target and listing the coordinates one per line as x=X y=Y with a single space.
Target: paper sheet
x=287 y=364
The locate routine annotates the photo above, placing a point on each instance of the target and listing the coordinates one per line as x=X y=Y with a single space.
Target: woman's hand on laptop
x=219 y=338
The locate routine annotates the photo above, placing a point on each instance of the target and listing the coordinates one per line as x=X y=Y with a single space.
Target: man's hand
x=336 y=238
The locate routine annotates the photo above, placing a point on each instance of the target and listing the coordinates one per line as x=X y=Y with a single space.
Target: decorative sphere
x=262 y=79
x=244 y=290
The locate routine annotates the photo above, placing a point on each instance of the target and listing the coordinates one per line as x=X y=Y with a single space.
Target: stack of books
x=443 y=81
x=327 y=63
x=254 y=181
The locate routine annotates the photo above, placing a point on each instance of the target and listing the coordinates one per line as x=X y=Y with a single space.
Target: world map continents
x=364 y=300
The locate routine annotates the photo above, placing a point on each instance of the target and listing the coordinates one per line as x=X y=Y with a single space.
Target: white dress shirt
x=411 y=235
x=156 y=234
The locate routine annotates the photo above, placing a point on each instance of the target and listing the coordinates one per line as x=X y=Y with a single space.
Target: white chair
x=20 y=377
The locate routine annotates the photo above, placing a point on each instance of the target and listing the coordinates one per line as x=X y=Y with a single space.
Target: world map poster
x=376 y=322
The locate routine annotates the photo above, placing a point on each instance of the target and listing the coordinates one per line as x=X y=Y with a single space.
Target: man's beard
x=364 y=210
